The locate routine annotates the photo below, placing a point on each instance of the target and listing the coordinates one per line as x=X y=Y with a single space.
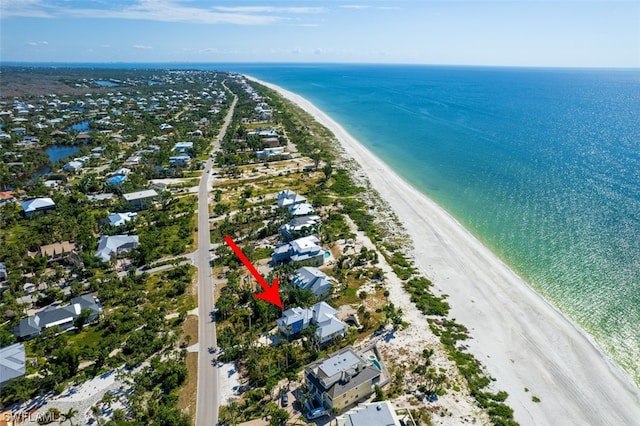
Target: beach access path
x=525 y=343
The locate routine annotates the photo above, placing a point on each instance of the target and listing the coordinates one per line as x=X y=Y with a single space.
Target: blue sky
x=510 y=33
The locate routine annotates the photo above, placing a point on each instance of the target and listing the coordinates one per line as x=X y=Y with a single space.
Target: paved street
x=208 y=394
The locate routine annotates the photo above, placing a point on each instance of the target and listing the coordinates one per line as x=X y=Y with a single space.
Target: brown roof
x=51 y=250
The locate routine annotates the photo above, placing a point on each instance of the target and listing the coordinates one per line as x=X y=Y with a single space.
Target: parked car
x=285 y=399
x=316 y=413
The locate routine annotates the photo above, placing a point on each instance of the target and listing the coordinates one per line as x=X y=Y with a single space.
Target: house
x=141 y=199
x=116 y=180
x=118 y=219
x=109 y=246
x=288 y=198
x=270 y=152
x=321 y=315
x=341 y=379
x=7 y=197
x=305 y=249
x=301 y=209
x=63 y=317
x=313 y=279
x=37 y=205
x=72 y=166
x=12 y=362
x=83 y=137
x=183 y=147
x=3 y=271
x=58 y=251
x=376 y=413
x=299 y=227
x=294 y=320
x=182 y=160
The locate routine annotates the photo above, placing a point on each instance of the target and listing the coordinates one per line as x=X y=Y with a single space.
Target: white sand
x=522 y=340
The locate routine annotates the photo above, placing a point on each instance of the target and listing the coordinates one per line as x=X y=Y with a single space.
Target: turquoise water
x=542 y=165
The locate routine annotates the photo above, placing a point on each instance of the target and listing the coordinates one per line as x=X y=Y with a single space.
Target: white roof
x=147 y=193
x=37 y=204
x=305 y=244
x=118 y=219
x=301 y=209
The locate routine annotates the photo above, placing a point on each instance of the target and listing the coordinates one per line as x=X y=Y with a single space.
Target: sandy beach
x=524 y=342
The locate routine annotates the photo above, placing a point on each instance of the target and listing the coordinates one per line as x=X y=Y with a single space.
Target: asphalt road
x=207 y=393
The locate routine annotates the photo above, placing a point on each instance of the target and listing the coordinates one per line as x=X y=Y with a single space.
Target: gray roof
x=313 y=279
x=140 y=195
x=12 y=362
x=340 y=372
x=108 y=245
x=53 y=315
x=374 y=414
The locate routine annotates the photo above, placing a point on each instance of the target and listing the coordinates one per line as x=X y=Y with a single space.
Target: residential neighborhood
x=106 y=259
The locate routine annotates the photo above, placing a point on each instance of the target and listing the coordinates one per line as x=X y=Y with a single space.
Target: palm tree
x=69 y=415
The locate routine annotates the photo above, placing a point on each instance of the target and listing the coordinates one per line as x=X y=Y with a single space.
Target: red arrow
x=270 y=294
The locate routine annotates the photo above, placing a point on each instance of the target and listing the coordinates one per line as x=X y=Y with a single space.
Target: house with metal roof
x=300 y=227
x=12 y=362
x=55 y=315
x=313 y=279
x=342 y=379
x=117 y=219
x=37 y=205
x=376 y=413
x=141 y=199
x=306 y=249
x=321 y=315
x=110 y=246
x=288 y=198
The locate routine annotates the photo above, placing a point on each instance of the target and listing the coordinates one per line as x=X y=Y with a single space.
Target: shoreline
x=541 y=352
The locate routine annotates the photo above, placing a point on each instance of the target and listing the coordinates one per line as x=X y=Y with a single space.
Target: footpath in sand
x=525 y=343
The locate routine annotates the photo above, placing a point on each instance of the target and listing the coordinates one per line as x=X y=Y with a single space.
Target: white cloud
x=37 y=43
x=141 y=46
x=25 y=8
x=270 y=9
x=154 y=10
x=354 y=6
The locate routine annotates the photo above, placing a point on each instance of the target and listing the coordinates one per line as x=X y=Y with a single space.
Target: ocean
x=541 y=165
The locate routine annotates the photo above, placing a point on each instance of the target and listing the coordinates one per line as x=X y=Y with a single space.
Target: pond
x=58 y=152
x=55 y=153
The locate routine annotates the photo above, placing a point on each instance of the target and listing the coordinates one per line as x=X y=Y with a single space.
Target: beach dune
x=527 y=345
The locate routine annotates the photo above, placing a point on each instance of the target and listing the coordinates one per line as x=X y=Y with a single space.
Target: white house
x=288 y=198
x=37 y=204
x=140 y=199
x=305 y=249
x=313 y=279
x=301 y=209
x=73 y=166
x=300 y=226
x=110 y=246
x=270 y=152
x=183 y=147
x=118 y=219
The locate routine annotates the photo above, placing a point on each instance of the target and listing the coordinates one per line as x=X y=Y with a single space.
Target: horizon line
x=70 y=63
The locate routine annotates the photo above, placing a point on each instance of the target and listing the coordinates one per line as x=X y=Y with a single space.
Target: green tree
x=68 y=416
